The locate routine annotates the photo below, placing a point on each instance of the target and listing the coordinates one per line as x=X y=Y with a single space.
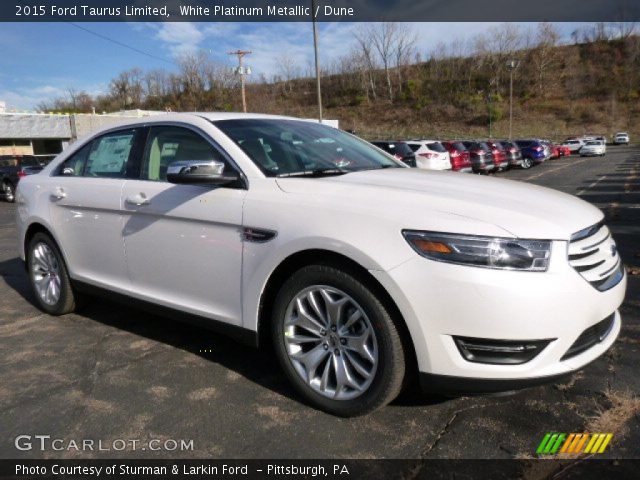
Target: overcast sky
x=41 y=60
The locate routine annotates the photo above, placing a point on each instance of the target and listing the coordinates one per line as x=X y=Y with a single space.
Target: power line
x=117 y=42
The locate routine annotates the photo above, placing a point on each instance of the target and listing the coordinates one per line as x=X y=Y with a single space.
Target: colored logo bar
x=574 y=443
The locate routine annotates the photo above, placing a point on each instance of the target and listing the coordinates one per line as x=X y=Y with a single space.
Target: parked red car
x=563 y=151
x=500 y=158
x=460 y=156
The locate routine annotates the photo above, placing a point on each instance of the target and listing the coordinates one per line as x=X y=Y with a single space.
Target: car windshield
x=296 y=147
x=593 y=143
x=459 y=146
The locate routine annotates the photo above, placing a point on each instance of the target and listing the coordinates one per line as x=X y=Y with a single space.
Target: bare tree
x=404 y=52
x=545 y=56
x=625 y=30
x=384 y=37
x=126 y=89
x=288 y=69
x=364 y=39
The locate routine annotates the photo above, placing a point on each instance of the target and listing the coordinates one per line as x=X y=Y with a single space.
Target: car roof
x=212 y=116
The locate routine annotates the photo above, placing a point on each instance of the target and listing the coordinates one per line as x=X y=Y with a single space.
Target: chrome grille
x=593 y=254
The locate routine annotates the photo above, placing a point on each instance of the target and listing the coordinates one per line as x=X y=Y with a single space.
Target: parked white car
x=621 y=138
x=359 y=270
x=430 y=154
x=574 y=145
x=593 y=148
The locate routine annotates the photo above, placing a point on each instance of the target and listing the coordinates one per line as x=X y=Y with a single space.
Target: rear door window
x=110 y=155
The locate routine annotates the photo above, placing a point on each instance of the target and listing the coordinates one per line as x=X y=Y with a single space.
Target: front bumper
x=439 y=301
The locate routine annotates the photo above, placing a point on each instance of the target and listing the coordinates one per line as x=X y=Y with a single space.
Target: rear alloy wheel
x=9 y=192
x=336 y=341
x=48 y=276
x=526 y=163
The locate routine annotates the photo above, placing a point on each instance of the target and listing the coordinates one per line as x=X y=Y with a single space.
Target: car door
x=86 y=211
x=183 y=242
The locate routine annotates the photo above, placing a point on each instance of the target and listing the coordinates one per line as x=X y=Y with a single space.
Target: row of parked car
x=485 y=156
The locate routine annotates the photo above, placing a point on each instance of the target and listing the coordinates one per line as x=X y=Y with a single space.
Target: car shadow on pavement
x=258 y=365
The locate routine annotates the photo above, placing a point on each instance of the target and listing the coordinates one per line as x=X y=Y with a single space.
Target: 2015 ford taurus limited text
x=362 y=272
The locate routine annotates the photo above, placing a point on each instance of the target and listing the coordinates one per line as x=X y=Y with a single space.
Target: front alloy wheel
x=526 y=163
x=336 y=341
x=330 y=342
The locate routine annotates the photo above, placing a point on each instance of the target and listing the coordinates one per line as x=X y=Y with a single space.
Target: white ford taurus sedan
x=361 y=272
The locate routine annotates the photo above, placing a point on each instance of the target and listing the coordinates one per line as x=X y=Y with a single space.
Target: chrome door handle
x=138 y=199
x=58 y=193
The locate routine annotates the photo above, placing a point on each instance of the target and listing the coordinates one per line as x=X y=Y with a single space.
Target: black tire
x=389 y=376
x=526 y=163
x=68 y=298
x=9 y=191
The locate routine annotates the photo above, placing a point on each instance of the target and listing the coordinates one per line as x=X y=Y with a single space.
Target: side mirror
x=199 y=172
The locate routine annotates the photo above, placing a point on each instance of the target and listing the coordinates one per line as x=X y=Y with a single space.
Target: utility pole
x=315 y=50
x=512 y=65
x=242 y=71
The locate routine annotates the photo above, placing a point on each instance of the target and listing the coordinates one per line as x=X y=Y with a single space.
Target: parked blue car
x=532 y=152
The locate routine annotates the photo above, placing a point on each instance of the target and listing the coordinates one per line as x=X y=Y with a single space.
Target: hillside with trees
x=384 y=87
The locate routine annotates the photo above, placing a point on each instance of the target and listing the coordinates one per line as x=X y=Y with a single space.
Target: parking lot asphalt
x=113 y=372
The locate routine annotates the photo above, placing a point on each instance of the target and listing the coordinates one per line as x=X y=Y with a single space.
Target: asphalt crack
x=432 y=446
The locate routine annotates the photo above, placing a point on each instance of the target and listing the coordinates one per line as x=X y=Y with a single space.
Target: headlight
x=489 y=252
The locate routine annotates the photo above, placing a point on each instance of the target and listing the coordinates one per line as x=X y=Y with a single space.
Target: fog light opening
x=499 y=352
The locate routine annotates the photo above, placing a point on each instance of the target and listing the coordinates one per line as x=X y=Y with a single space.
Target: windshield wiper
x=318 y=172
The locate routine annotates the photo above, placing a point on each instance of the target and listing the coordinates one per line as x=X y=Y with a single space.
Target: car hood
x=430 y=200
